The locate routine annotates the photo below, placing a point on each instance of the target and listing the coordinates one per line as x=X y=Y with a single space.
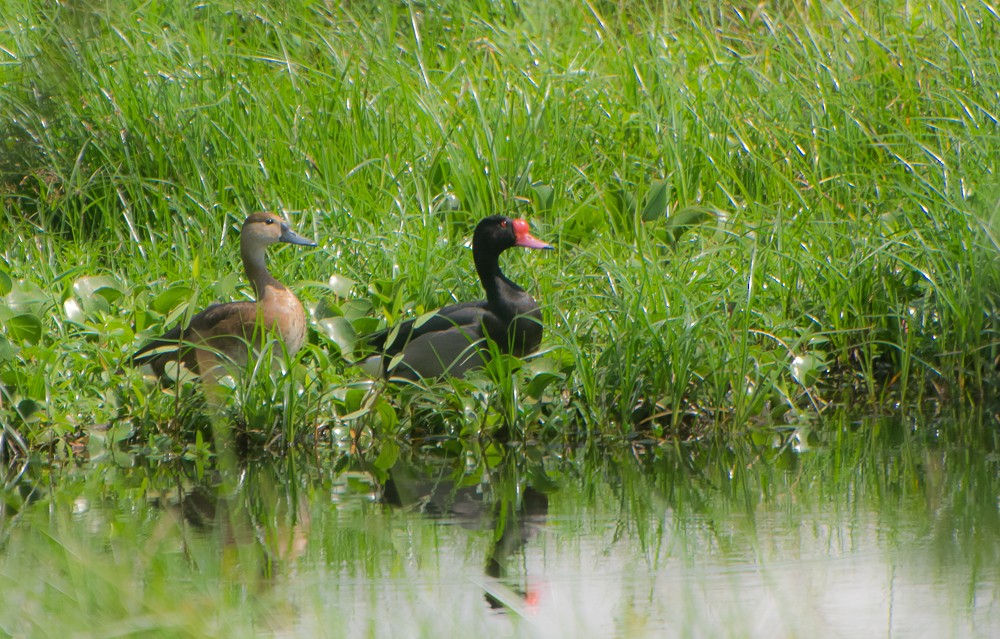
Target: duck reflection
x=261 y=520
x=508 y=506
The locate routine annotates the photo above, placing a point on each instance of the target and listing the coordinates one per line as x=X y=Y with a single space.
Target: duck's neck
x=256 y=270
x=493 y=279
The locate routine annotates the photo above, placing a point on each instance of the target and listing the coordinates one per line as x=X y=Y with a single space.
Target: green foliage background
x=758 y=208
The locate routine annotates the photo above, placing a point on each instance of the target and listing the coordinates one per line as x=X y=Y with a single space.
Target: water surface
x=875 y=530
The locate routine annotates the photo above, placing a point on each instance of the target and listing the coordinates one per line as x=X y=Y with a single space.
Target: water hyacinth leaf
x=387 y=456
x=6 y=284
x=365 y=325
x=7 y=350
x=119 y=432
x=324 y=308
x=168 y=299
x=96 y=290
x=806 y=369
x=536 y=387
x=544 y=196
x=625 y=204
x=29 y=410
x=28 y=298
x=340 y=285
x=685 y=218
x=387 y=414
x=74 y=312
x=118 y=332
x=13 y=378
x=25 y=327
x=95 y=304
x=357 y=309
x=656 y=201
x=339 y=331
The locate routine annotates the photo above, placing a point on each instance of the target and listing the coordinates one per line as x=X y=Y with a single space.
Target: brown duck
x=220 y=334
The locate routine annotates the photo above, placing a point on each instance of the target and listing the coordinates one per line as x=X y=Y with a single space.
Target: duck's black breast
x=521 y=332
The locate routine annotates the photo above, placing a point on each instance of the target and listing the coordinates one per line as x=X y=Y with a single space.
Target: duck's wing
x=468 y=314
x=454 y=351
x=217 y=321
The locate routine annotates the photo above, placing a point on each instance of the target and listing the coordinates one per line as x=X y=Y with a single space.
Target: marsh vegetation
x=774 y=228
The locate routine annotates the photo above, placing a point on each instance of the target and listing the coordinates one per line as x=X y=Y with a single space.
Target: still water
x=875 y=529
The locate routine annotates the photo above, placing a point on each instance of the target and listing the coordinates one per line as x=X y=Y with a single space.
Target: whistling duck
x=220 y=334
x=451 y=340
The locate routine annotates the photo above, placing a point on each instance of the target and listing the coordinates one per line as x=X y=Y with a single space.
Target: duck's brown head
x=263 y=229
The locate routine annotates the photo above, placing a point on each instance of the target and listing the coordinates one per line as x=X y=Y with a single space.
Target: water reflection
x=878 y=529
x=257 y=517
x=510 y=509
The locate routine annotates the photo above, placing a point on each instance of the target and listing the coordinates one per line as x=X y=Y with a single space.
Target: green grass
x=758 y=211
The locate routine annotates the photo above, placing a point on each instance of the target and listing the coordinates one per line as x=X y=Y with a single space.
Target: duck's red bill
x=523 y=236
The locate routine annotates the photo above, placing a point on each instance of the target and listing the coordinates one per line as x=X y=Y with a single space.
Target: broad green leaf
x=807 y=368
x=74 y=312
x=387 y=456
x=5 y=283
x=339 y=331
x=365 y=325
x=656 y=201
x=536 y=387
x=356 y=309
x=388 y=415
x=684 y=219
x=121 y=431
x=544 y=196
x=95 y=293
x=383 y=289
x=394 y=362
x=14 y=378
x=28 y=298
x=423 y=319
x=353 y=399
x=25 y=327
x=168 y=299
x=7 y=350
x=29 y=410
x=341 y=286
x=326 y=307
x=86 y=288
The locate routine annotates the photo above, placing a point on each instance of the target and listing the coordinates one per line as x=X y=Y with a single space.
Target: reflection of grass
x=755 y=213
x=295 y=546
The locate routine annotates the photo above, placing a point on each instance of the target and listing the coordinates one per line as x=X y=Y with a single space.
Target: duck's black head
x=497 y=233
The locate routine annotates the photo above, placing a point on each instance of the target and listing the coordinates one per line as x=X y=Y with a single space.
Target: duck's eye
x=269 y=221
x=503 y=224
